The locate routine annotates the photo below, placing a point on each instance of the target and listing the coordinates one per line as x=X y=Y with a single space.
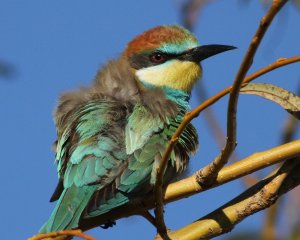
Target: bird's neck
x=181 y=98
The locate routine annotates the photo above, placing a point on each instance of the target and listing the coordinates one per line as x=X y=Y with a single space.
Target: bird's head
x=169 y=56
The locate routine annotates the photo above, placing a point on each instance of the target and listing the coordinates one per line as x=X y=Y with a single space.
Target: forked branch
x=209 y=174
x=262 y=195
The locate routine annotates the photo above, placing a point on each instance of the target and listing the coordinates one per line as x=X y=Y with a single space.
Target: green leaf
x=289 y=101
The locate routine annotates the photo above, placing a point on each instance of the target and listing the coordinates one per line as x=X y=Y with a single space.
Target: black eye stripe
x=168 y=55
x=143 y=60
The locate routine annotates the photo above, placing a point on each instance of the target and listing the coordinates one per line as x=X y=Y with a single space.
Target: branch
x=158 y=191
x=262 y=195
x=62 y=235
x=189 y=13
x=277 y=64
x=189 y=186
x=209 y=174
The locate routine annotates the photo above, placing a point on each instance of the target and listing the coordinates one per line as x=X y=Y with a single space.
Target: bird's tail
x=69 y=208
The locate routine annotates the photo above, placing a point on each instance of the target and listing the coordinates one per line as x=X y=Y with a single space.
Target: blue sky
x=55 y=46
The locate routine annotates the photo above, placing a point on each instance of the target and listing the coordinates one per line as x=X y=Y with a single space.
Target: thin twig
x=277 y=64
x=209 y=174
x=76 y=232
x=219 y=136
x=158 y=190
x=189 y=14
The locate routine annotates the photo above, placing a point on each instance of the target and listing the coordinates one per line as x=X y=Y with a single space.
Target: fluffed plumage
x=112 y=135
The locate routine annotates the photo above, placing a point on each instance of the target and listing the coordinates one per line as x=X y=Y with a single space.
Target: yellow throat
x=176 y=74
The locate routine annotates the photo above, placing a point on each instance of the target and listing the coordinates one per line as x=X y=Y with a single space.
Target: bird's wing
x=97 y=172
x=90 y=148
x=144 y=143
x=90 y=155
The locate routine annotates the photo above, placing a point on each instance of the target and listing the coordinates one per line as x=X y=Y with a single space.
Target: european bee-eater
x=112 y=134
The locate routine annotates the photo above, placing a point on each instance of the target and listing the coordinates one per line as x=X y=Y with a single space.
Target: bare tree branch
x=209 y=174
x=262 y=195
x=158 y=190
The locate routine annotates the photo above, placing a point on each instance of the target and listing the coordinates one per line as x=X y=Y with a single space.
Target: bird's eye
x=157 y=57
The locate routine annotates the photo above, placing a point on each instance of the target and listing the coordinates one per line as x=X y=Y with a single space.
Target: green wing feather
x=90 y=156
x=68 y=209
x=106 y=155
x=140 y=127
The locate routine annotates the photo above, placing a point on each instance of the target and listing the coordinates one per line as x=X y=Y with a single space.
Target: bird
x=111 y=135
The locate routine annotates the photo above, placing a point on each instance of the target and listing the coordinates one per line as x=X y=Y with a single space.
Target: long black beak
x=198 y=54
